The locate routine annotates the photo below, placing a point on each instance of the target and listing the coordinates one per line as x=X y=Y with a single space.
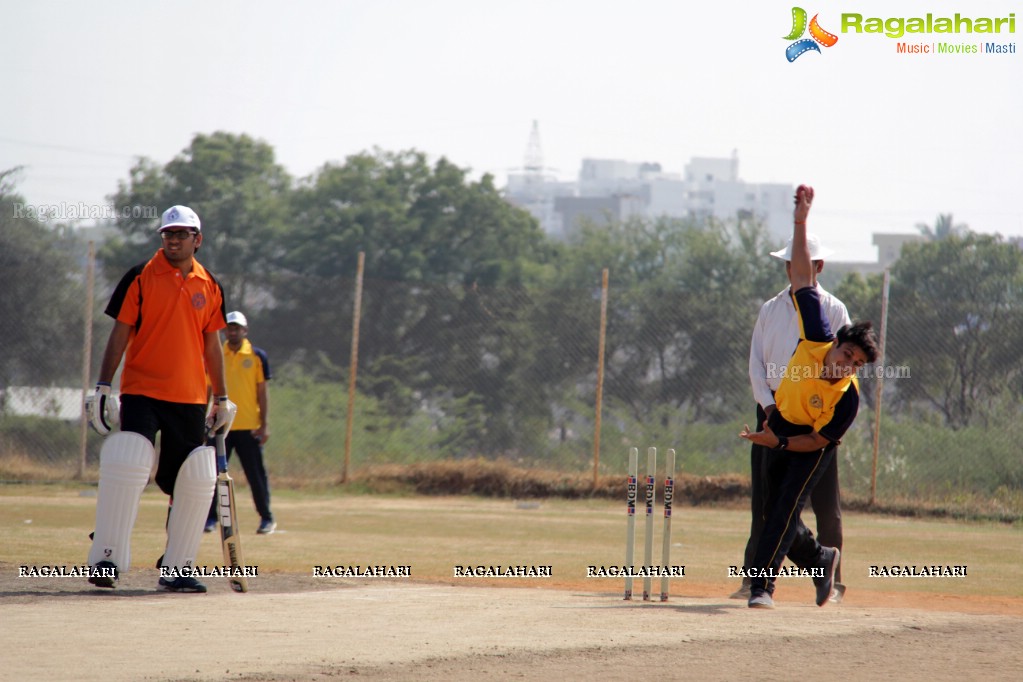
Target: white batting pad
x=125 y=461
x=193 y=492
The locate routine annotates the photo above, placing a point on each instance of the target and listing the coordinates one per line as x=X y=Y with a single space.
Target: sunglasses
x=179 y=235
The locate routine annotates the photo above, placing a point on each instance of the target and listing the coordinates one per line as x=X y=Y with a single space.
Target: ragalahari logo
x=817 y=35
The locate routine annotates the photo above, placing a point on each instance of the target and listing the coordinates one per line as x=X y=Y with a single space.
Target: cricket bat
x=228 y=519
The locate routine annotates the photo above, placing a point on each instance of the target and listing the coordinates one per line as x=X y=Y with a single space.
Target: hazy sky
x=888 y=139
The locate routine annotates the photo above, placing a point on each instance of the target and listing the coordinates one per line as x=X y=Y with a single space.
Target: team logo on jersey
x=816 y=402
x=199 y=301
x=247 y=363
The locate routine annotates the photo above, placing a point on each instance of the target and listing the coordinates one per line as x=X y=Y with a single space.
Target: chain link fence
x=453 y=372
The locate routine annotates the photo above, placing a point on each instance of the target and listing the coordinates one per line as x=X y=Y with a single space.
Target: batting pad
x=125 y=461
x=193 y=492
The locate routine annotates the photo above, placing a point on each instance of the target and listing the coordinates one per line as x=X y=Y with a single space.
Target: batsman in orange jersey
x=167 y=312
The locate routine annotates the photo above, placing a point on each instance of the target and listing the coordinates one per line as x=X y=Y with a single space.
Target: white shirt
x=775 y=337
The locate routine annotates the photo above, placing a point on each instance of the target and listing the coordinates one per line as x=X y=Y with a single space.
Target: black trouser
x=825 y=499
x=250 y=452
x=757 y=453
x=789 y=478
x=182 y=429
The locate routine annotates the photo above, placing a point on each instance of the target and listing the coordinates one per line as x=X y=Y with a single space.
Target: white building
x=613 y=189
x=538 y=194
x=889 y=246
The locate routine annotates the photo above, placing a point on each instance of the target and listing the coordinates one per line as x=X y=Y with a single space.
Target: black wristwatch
x=783 y=443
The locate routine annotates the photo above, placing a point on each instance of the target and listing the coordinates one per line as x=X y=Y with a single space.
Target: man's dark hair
x=862 y=335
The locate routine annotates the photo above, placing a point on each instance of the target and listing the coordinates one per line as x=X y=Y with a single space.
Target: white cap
x=817 y=252
x=180 y=216
x=235 y=317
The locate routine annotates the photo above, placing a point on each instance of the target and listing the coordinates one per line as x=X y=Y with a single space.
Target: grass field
x=436 y=627
x=49 y=525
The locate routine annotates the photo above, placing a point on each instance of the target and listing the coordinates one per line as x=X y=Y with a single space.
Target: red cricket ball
x=804 y=191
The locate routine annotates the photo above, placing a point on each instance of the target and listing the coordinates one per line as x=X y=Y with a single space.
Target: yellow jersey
x=245 y=369
x=806 y=402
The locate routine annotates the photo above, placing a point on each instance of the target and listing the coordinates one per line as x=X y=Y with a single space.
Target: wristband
x=221 y=398
x=102 y=383
x=783 y=443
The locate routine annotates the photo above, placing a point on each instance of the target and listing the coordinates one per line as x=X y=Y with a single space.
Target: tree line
x=473 y=316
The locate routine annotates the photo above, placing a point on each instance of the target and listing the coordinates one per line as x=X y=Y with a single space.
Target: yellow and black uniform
x=246 y=369
x=163 y=384
x=806 y=402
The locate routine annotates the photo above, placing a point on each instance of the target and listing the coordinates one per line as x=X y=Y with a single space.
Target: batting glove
x=222 y=415
x=101 y=409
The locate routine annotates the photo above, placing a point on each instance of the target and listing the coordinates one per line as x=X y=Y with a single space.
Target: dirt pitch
x=294 y=628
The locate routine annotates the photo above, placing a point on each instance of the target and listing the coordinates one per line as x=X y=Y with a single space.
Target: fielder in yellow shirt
x=247 y=369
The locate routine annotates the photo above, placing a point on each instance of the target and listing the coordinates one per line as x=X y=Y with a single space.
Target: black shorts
x=182 y=428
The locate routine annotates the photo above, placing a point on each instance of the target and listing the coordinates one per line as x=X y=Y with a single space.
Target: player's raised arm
x=801 y=272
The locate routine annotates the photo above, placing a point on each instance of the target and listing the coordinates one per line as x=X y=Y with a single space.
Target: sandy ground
x=301 y=628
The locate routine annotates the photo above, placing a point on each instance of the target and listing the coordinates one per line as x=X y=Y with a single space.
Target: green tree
x=862 y=297
x=956 y=319
x=415 y=223
x=684 y=297
x=446 y=259
x=240 y=194
x=41 y=306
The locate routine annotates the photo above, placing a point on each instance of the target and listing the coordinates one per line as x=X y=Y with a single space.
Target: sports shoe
x=826 y=584
x=837 y=594
x=105 y=580
x=760 y=601
x=181 y=584
x=742 y=593
x=211 y=525
x=266 y=527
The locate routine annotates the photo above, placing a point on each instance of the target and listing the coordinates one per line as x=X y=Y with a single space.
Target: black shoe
x=826 y=584
x=266 y=527
x=182 y=584
x=211 y=525
x=102 y=579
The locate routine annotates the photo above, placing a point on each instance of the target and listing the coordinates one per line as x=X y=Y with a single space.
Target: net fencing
x=450 y=372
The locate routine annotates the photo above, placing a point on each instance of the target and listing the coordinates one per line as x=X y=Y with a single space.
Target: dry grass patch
x=502 y=480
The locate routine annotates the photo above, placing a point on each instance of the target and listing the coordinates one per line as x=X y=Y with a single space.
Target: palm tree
x=943 y=228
